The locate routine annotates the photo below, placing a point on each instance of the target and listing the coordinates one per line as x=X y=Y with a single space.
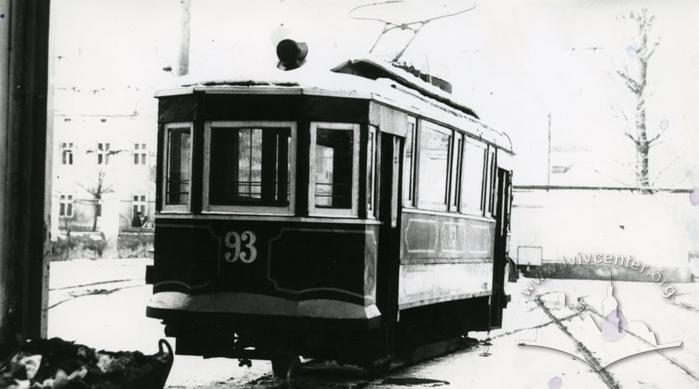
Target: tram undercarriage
x=421 y=333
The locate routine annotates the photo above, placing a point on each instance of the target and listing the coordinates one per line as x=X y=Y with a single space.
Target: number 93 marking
x=242 y=246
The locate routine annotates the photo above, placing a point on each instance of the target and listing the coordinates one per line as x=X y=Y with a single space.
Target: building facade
x=103 y=165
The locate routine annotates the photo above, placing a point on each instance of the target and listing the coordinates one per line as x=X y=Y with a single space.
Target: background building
x=103 y=164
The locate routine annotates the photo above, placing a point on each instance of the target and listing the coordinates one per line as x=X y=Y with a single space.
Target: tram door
x=389 y=234
x=502 y=228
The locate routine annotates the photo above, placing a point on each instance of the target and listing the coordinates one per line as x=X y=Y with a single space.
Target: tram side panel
x=446 y=261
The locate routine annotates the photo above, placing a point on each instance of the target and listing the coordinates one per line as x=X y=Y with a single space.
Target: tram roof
x=393 y=87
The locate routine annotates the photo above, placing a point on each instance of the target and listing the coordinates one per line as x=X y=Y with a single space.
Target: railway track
x=60 y=295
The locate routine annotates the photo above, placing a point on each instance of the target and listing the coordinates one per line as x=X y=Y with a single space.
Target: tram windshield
x=249 y=166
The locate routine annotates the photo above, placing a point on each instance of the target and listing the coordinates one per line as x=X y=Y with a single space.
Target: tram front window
x=333 y=168
x=249 y=166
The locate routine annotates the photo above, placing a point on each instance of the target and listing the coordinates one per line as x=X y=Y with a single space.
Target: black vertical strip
x=450 y=164
x=35 y=78
x=218 y=179
x=269 y=137
x=229 y=159
x=25 y=223
x=484 y=182
x=173 y=152
x=494 y=183
x=362 y=182
x=160 y=162
x=417 y=154
x=303 y=145
x=217 y=167
x=282 y=167
x=197 y=159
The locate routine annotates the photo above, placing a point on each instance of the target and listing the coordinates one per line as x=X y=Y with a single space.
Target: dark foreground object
x=55 y=363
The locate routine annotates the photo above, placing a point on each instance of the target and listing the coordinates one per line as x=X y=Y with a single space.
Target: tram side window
x=434 y=167
x=409 y=166
x=456 y=167
x=178 y=176
x=472 y=182
x=249 y=166
x=492 y=181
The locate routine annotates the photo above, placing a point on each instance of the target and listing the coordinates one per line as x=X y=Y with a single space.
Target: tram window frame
x=168 y=128
x=491 y=183
x=421 y=201
x=410 y=163
x=456 y=169
x=465 y=208
x=320 y=211
x=285 y=210
x=371 y=171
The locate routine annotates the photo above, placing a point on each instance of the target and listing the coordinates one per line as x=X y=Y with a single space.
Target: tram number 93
x=240 y=247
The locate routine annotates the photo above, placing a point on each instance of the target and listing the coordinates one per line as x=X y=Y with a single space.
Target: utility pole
x=183 y=61
x=24 y=206
x=548 y=171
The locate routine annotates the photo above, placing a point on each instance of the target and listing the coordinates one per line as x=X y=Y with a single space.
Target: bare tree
x=637 y=83
x=97 y=191
x=68 y=226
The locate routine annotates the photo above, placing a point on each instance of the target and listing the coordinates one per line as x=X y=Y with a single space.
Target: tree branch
x=663 y=170
x=658 y=135
x=652 y=51
x=631 y=83
x=632 y=138
x=610 y=177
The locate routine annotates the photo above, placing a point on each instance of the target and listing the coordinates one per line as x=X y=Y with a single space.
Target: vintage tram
x=355 y=216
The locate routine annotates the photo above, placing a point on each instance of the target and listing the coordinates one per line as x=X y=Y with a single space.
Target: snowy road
x=102 y=304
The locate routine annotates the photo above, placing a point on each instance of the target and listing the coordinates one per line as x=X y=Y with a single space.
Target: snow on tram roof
x=415 y=95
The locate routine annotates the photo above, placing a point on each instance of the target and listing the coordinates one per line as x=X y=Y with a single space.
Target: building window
x=102 y=153
x=67 y=153
x=409 y=165
x=472 y=198
x=139 y=153
x=334 y=169
x=178 y=166
x=138 y=205
x=435 y=156
x=65 y=205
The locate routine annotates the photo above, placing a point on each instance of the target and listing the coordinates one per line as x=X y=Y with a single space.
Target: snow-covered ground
x=90 y=309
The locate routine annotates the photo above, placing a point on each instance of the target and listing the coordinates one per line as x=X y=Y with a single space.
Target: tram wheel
x=284 y=366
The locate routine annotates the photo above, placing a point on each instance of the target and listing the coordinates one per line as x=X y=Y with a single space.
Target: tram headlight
x=291 y=54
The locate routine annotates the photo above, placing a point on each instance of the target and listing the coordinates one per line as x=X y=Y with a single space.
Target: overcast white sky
x=514 y=62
